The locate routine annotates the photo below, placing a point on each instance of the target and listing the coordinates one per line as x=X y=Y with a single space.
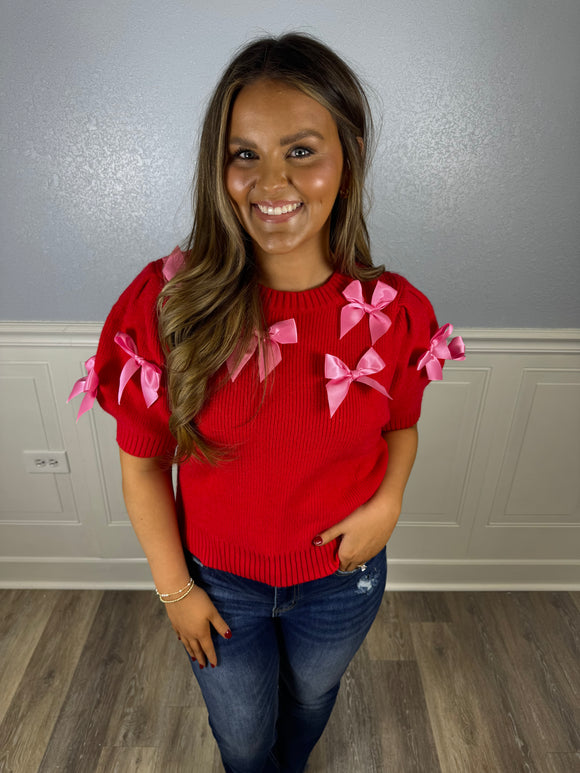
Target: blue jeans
x=277 y=678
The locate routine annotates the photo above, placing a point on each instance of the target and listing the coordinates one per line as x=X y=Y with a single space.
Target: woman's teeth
x=278 y=210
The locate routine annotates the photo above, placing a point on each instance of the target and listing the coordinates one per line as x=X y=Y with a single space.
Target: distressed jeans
x=277 y=678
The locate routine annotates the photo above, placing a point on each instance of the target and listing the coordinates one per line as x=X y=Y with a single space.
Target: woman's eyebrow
x=243 y=142
x=288 y=140
x=300 y=136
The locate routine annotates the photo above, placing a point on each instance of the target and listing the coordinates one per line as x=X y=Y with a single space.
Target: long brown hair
x=212 y=307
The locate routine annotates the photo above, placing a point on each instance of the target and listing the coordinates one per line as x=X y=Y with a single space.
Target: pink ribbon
x=439 y=349
x=341 y=377
x=88 y=385
x=172 y=264
x=150 y=373
x=354 y=311
x=283 y=332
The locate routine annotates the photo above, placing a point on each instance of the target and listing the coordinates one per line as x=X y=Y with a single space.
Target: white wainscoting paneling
x=545 y=438
x=493 y=501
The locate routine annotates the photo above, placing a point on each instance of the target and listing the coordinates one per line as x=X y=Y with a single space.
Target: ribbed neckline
x=294 y=301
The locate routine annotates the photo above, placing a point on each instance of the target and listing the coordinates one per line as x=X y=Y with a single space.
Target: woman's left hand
x=363 y=533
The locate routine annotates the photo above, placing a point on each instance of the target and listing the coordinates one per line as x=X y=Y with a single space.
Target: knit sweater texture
x=294 y=470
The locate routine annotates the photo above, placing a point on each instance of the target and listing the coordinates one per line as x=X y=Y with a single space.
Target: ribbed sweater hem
x=289 y=568
x=404 y=422
x=140 y=445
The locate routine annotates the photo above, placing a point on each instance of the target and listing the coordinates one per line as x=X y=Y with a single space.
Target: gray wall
x=476 y=184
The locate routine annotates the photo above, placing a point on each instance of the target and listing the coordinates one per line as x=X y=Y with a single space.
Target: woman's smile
x=284 y=172
x=277 y=211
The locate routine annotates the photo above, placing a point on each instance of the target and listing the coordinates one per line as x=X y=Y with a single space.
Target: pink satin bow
x=341 y=377
x=354 y=311
x=283 y=332
x=150 y=373
x=172 y=264
x=88 y=385
x=439 y=349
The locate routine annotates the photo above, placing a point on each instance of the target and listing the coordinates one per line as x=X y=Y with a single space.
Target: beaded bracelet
x=164 y=597
x=173 y=601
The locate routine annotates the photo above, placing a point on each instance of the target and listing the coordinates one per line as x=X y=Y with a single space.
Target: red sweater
x=295 y=470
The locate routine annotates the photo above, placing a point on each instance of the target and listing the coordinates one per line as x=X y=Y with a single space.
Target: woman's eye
x=300 y=152
x=244 y=155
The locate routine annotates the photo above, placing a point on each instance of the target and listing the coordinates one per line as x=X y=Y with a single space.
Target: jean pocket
x=342 y=573
x=362 y=567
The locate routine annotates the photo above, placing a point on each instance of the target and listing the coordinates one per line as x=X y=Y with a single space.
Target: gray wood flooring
x=96 y=682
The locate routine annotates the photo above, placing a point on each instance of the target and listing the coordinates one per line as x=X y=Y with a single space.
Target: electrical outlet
x=54 y=462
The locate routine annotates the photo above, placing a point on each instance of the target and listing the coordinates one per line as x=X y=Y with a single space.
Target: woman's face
x=284 y=171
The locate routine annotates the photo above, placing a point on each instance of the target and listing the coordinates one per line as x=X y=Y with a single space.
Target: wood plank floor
x=96 y=682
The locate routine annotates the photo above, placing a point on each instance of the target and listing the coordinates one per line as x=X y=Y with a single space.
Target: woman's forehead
x=268 y=105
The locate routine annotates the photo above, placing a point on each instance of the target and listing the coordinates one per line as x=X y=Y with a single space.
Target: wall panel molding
x=545 y=437
x=493 y=501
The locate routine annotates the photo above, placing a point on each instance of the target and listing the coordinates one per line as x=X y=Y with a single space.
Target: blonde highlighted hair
x=211 y=308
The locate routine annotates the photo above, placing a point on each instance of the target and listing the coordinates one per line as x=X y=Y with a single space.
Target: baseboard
x=490 y=575
x=83 y=573
x=403 y=574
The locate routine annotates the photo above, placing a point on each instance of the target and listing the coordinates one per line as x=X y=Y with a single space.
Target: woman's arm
x=367 y=530
x=148 y=493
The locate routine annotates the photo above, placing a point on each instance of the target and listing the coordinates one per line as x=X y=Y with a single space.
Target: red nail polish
x=317 y=541
x=200 y=665
x=212 y=665
x=228 y=634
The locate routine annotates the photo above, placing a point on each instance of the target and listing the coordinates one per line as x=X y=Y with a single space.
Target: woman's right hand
x=148 y=492
x=192 y=618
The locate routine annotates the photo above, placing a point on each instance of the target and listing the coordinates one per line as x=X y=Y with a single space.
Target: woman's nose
x=273 y=175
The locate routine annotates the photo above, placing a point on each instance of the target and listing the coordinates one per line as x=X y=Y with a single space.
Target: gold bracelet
x=173 y=601
x=175 y=592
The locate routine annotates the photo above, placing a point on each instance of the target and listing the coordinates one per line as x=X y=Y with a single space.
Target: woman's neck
x=293 y=276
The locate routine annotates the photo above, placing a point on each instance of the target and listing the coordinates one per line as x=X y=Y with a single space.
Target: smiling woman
x=284 y=173
x=271 y=560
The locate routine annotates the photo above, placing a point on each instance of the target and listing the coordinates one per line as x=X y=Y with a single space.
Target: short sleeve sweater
x=294 y=469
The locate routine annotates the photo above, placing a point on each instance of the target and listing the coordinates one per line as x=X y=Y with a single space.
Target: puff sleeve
x=414 y=324
x=130 y=366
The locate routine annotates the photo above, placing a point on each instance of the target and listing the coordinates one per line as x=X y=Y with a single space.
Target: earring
x=343 y=193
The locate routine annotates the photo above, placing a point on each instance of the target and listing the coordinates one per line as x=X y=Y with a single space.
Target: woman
x=288 y=372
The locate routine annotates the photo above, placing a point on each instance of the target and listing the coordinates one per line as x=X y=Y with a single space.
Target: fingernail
x=212 y=665
x=317 y=541
x=200 y=665
x=228 y=634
